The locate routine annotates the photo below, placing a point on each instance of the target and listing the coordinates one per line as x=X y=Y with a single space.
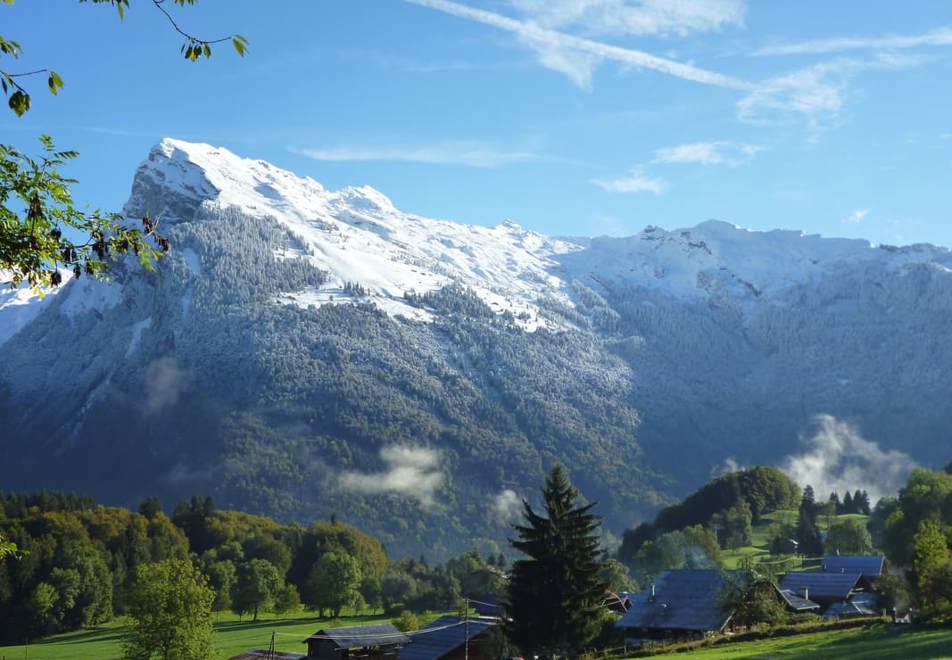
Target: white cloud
x=507 y=506
x=856 y=217
x=411 y=471
x=165 y=382
x=470 y=154
x=730 y=464
x=708 y=153
x=816 y=94
x=634 y=182
x=938 y=37
x=577 y=57
x=633 y=17
x=838 y=458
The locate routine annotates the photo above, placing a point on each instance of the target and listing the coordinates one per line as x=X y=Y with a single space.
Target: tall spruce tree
x=555 y=592
x=809 y=542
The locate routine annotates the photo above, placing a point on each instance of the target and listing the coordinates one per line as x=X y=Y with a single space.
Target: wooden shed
x=373 y=642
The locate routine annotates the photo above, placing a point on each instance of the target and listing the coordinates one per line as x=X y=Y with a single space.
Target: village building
x=680 y=603
x=823 y=588
x=380 y=641
x=869 y=566
x=796 y=603
x=453 y=638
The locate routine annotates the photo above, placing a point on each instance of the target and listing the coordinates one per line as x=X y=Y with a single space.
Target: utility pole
x=271 y=648
x=466 y=629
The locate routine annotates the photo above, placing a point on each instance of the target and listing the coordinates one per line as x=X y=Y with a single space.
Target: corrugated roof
x=443 y=636
x=869 y=565
x=683 y=600
x=820 y=586
x=353 y=637
x=796 y=602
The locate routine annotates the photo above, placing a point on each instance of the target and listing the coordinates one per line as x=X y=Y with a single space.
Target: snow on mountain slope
x=359 y=237
x=356 y=234
x=20 y=306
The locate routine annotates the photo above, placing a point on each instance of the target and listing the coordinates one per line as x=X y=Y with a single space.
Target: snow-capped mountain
x=294 y=332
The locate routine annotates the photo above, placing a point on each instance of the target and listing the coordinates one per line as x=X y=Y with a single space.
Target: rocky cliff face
x=306 y=352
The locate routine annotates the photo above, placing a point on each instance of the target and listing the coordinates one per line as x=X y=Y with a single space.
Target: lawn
x=231 y=637
x=762 y=531
x=880 y=643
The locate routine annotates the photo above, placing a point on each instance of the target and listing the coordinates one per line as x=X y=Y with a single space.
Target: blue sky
x=573 y=117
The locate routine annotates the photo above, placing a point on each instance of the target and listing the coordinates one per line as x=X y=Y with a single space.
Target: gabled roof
x=868 y=565
x=797 y=603
x=863 y=604
x=264 y=654
x=443 y=636
x=354 y=637
x=683 y=600
x=820 y=586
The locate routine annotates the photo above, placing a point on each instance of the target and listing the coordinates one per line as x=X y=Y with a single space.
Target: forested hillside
x=303 y=353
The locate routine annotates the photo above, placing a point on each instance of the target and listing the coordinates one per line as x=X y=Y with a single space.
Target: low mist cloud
x=507 y=506
x=730 y=464
x=838 y=458
x=411 y=471
x=165 y=381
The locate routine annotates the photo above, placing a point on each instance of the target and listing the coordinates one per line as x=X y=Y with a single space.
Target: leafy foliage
x=848 y=537
x=753 y=599
x=39 y=222
x=731 y=502
x=334 y=583
x=38 y=217
x=170 y=612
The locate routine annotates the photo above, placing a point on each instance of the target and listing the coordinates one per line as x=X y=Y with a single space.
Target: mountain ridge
x=295 y=334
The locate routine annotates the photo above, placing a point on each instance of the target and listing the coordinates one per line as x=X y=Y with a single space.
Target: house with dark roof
x=796 y=603
x=680 y=603
x=453 y=638
x=380 y=641
x=823 y=588
x=869 y=566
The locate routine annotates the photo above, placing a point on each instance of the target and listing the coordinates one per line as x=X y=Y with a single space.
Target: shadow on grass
x=94 y=635
x=230 y=626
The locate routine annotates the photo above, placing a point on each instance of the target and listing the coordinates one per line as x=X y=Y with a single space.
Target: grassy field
x=231 y=637
x=880 y=643
x=762 y=532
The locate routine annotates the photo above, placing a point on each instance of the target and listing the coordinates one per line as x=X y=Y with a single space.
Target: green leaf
x=208 y=50
x=55 y=82
x=19 y=102
x=240 y=44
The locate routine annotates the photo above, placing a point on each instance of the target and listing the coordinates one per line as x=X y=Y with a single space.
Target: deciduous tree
x=334 y=583
x=41 y=230
x=171 y=613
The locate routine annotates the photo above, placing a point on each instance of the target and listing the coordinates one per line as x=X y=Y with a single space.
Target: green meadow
x=879 y=643
x=232 y=636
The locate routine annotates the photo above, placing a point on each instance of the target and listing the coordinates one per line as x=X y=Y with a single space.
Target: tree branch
x=190 y=37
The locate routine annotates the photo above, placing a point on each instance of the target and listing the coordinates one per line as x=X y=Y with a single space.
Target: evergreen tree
x=849 y=504
x=841 y=507
x=809 y=542
x=863 y=506
x=555 y=592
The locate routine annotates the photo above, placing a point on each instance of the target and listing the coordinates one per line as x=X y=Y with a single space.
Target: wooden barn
x=373 y=642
